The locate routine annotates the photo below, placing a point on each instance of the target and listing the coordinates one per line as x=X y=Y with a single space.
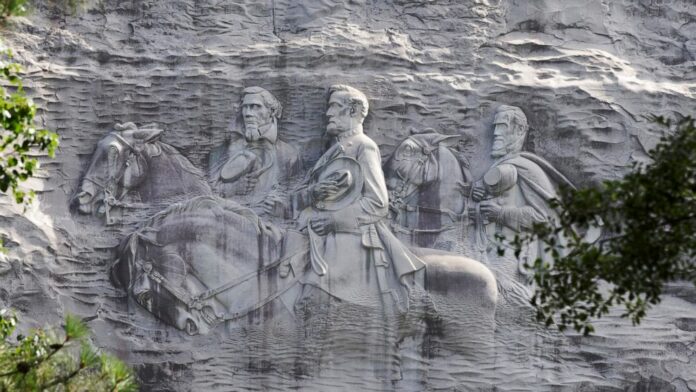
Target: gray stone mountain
x=304 y=194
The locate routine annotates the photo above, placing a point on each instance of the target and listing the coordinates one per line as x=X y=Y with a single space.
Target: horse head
x=418 y=162
x=425 y=179
x=119 y=165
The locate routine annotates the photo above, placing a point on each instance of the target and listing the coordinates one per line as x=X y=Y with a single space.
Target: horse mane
x=206 y=202
x=180 y=160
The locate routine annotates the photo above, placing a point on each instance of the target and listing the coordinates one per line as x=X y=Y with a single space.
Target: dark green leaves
x=649 y=238
x=20 y=141
x=48 y=360
x=11 y=8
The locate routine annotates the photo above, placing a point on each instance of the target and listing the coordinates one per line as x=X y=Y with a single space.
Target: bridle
x=199 y=301
x=406 y=192
x=107 y=188
x=454 y=218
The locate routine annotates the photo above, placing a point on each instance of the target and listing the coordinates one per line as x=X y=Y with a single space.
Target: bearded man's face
x=255 y=113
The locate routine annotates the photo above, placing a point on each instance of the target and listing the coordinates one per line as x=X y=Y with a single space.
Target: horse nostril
x=84 y=197
x=84 y=208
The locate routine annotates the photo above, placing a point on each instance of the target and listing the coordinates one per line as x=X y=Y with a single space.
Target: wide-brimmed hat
x=347 y=173
x=238 y=165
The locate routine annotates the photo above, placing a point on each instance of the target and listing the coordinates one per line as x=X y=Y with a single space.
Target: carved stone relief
x=206 y=261
x=210 y=262
x=131 y=167
x=514 y=193
x=213 y=249
x=400 y=245
x=255 y=161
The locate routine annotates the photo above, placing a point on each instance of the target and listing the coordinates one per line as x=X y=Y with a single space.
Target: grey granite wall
x=585 y=73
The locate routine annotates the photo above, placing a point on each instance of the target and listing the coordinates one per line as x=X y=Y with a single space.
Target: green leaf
x=649 y=238
x=21 y=140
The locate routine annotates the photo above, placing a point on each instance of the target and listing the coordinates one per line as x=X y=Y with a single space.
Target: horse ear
x=147 y=135
x=447 y=140
x=432 y=140
x=125 y=126
x=417 y=131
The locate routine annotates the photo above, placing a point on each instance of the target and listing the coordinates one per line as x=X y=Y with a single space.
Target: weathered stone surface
x=585 y=74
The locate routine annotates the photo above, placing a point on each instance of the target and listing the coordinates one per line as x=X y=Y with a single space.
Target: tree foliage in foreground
x=649 y=223
x=49 y=360
x=11 y=8
x=46 y=360
x=20 y=140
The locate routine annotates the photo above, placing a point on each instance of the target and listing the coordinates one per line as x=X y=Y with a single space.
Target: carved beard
x=252 y=130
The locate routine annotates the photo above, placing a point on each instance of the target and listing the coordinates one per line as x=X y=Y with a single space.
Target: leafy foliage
x=50 y=361
x=11 y=8
x=19 y=139
x=46 y=360
x=649 y=219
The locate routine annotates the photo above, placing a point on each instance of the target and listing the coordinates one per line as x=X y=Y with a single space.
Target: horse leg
x=464 y=295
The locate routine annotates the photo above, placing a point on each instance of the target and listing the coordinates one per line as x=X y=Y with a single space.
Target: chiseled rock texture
x=585 y=72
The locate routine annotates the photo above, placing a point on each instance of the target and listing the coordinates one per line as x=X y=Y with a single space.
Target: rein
x=401 y=205
x=453 y=216
x=196 y=301
x=109 y=199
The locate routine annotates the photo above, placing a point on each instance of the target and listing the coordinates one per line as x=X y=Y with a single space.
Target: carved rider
x=255 y=159
x=354 y=256
x=514 y=193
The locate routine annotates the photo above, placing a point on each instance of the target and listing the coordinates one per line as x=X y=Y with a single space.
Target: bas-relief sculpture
x=515 y=192
x=278 y=251
x=207 y=261
x=368 y=264
x=582 y=73
x=426 y=183
x=436 y=203
x=256 y=160
x=130 y=166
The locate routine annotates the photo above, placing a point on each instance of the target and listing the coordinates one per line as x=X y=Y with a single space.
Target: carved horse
x=426 y=182
x=131 y=165
x=429 y=191
x=208 y=261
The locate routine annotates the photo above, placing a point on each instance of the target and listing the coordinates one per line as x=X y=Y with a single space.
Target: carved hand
x=490 y=210
x=323 y=225
x=324 y=189
x=284 y=269
x=272 y=205
x=464 y=188
x=478 y=194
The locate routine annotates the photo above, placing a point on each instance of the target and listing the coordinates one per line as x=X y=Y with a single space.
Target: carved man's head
x=259 y=108
x=347 y=110
x=510 y=131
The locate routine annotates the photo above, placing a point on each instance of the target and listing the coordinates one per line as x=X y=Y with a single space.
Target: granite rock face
x=584 y=74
